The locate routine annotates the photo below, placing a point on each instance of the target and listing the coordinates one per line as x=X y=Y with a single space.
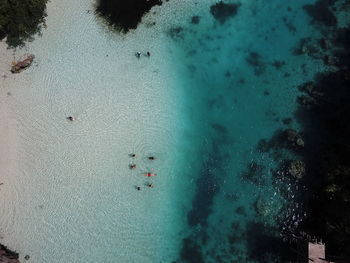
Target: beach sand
x=68 y=193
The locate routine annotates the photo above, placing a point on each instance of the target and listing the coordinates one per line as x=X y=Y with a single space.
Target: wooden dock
x=317 y=253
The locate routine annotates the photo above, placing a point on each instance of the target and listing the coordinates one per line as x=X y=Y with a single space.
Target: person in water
x=150 y=185
x=132 y=166
x=132 y=155
x=151 y=158
x=138 y=188
x=150 y=174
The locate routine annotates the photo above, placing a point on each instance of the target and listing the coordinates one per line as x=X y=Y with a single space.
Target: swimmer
x=70 y=118
x=148 y=54
x=149 y=174
x=150 y=185
x=132 y=166
x=132 y=155
x=138 y=188
x=138 y=54
x=151 y=158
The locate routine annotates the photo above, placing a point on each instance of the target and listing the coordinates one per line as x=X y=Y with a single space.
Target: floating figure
x=150 y=185
x=150 y=174
x=138 y=188
x=151 y=158
x=70 y=118
x=132 y=166
x=148 y=54
x=132 y=155
x=138 y=54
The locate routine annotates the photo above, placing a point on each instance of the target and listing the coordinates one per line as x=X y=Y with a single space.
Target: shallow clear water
x=203 y=101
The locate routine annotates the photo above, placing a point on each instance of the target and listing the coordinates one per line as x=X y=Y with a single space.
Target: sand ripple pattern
x=70 y=181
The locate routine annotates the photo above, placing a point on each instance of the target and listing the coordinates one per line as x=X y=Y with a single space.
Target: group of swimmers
x=138 y=54
x=148 y=174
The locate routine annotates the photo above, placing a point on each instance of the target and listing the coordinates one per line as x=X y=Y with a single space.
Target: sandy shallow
x=68 y=194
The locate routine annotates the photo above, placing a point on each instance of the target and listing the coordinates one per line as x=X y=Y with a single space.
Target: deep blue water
x=241 y=76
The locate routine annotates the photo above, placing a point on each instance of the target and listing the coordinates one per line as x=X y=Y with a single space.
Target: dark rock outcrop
x=321 y=12
x=294 y=139
x=195 y=20
x=222 y=11
x=296 y=168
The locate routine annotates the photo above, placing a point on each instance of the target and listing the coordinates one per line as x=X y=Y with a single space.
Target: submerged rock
x=22 y=64
x=263 y=146
x=296 y=169
x=222 y=11
x=307 y=87
x=306 y=101
x=195 y=20
x=321 y=13
x=294 y=139
x=261 y=206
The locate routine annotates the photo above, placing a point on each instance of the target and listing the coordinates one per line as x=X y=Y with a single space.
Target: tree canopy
x=21 y=19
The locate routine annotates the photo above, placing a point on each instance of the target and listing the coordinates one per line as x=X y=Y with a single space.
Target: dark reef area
x=223 y=11
x=124 y=15
x=21 y=19
x=324 y=115
x=314 y=161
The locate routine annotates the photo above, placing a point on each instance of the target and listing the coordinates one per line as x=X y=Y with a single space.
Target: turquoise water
x=202 y=103
x=240 y=81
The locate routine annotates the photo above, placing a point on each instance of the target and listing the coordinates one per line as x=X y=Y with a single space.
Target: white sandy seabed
x=67 y=193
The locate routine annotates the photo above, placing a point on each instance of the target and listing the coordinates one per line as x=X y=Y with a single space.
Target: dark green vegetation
x=6 y=255
x=21 y=19
x=124 y=15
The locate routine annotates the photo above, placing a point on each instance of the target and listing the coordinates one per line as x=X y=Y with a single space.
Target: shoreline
x=75 y=175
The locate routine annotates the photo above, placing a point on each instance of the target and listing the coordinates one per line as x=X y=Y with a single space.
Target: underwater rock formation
x=262 y=207
x=294 y=139
x=296 y=168
x=321 y=13
x=222 y=11
x=324 y=118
